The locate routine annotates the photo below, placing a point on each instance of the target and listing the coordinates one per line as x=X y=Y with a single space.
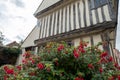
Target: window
x=103 y=2
x=69 y=43
x=92 y=4
x=97 y=3
x=30 y=49
x=38 y=23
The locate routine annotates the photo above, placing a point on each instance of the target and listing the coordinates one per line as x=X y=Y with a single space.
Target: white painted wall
x=96 y=40
x=34 y=35
x=87 y=39
x=20 y=58
x=76 y=42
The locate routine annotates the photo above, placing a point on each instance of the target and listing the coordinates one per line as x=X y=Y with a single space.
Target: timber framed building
x=74 y=20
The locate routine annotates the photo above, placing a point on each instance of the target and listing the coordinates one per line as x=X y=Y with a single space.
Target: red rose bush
x=60 y=61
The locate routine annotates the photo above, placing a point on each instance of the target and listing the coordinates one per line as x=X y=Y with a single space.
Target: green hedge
x=9 y=55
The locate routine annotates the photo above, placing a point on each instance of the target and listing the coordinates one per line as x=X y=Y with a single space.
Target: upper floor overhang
x=75 y=17
x=87 y=31
x=48 y=6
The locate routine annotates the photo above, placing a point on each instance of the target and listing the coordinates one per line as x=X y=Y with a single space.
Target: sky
x=17 y=19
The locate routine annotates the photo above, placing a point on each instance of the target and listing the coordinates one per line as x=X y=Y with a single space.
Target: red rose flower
x=5 y=67
x=90 y=66
x=19 y=67
x=81 y=45
x=24 y=61
x=101 y=70
x=75 y=53
x=78 y=78
x=60 y=48
x=10 y=71
x=103 y=60
x=116 y=65
x=110 y=59
x=5 y=77
x=40 y=66
x=104 y=54
x=32 y=60
x=27 y=54
x=81 y=50
x=119 y=77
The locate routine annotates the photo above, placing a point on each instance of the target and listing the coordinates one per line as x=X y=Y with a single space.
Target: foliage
x=11 y=51
x=1 y=38
x=9 y=55
x=59 y=61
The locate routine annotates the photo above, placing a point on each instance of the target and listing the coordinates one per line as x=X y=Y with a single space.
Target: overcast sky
x=16 y=18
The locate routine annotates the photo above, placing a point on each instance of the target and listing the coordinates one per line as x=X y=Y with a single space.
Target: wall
x=29 y=41
x=71 y=16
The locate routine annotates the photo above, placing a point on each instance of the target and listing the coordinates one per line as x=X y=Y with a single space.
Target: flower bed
x=59 y=61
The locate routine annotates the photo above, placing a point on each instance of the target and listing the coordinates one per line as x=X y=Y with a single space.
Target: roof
x=33 y=35
x=14 y=43
x=45 y=4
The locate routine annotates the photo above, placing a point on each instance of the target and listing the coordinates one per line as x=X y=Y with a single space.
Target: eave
x=48 y=8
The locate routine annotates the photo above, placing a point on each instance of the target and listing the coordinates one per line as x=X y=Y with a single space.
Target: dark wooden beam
x=77 y=33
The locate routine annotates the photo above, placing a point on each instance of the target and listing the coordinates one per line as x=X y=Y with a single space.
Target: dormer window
x=97 y=3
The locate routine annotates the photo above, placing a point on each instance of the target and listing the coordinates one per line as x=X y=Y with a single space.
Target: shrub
x=59 y=61
x=9 y=55
x=11 y=51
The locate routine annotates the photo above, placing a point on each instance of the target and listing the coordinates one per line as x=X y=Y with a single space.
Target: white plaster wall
x=76 y=42
x=20 y=58
x=29 y=41
x=97 y=39
x=87 y=39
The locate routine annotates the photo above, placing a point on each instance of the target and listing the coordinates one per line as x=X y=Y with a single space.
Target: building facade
x=74 y=20
x=13 y=44
x=28 y=44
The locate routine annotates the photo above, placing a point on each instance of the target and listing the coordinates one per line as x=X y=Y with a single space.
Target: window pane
x=97 y=3
x=92 y=4
x=102 y=2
